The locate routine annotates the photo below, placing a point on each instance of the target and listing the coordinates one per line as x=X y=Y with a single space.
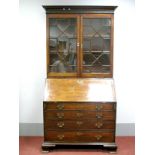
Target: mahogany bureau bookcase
x=79 y=106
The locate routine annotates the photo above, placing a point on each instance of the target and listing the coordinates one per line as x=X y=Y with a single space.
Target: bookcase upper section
x=80 y=41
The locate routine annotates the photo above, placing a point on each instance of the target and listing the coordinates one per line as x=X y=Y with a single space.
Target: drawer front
x=79 y=106
x=79 y=125
x=76 y=136
x=78 y=115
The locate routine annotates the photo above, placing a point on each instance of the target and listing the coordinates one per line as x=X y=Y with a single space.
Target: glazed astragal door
x=80 y=45
x=63 y=43
x=97 y=45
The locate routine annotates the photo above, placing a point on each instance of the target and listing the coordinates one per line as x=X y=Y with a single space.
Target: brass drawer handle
x=60 y=106
x=98 y=115
x=98 y=107
x=98 y=124
x=98 y=137
x=78 y=114
x=60 y=124
x=79 y=123
x=60 y=115
x=61 y=137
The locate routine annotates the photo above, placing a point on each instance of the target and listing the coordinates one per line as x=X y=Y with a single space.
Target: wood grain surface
x=83 y=89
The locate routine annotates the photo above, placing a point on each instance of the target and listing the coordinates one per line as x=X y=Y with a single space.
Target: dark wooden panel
x=79 y=9
x=78 y=115
x=79 y=106
x=79 y=124
x=78 y=136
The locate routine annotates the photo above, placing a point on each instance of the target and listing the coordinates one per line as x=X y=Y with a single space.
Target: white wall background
x=33 y=56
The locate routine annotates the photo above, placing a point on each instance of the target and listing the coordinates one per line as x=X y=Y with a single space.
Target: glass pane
x=62 y=45
x=96 y=45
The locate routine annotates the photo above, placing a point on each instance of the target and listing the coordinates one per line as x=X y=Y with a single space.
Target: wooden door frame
x=97 y=75
x=55 y=74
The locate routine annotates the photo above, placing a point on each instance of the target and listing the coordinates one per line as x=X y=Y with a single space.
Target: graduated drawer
x=78 y=106
x=78 y=136
x=75 y=115
x=79 y=125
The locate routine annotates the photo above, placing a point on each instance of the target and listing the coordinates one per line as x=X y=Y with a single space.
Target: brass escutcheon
x=98 y=107
x=98 y=124
x=60 y=137
x=78 y=114
x=60 y=115
x=60 y=124
x=98 y=137
x=60 y=106
x=78 y=133
x=98 y=115
x=79 y=123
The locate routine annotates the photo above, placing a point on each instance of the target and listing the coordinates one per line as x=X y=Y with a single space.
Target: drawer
x=78 y=106
x=79 y=125
x=78 y=115
x=76 y=136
